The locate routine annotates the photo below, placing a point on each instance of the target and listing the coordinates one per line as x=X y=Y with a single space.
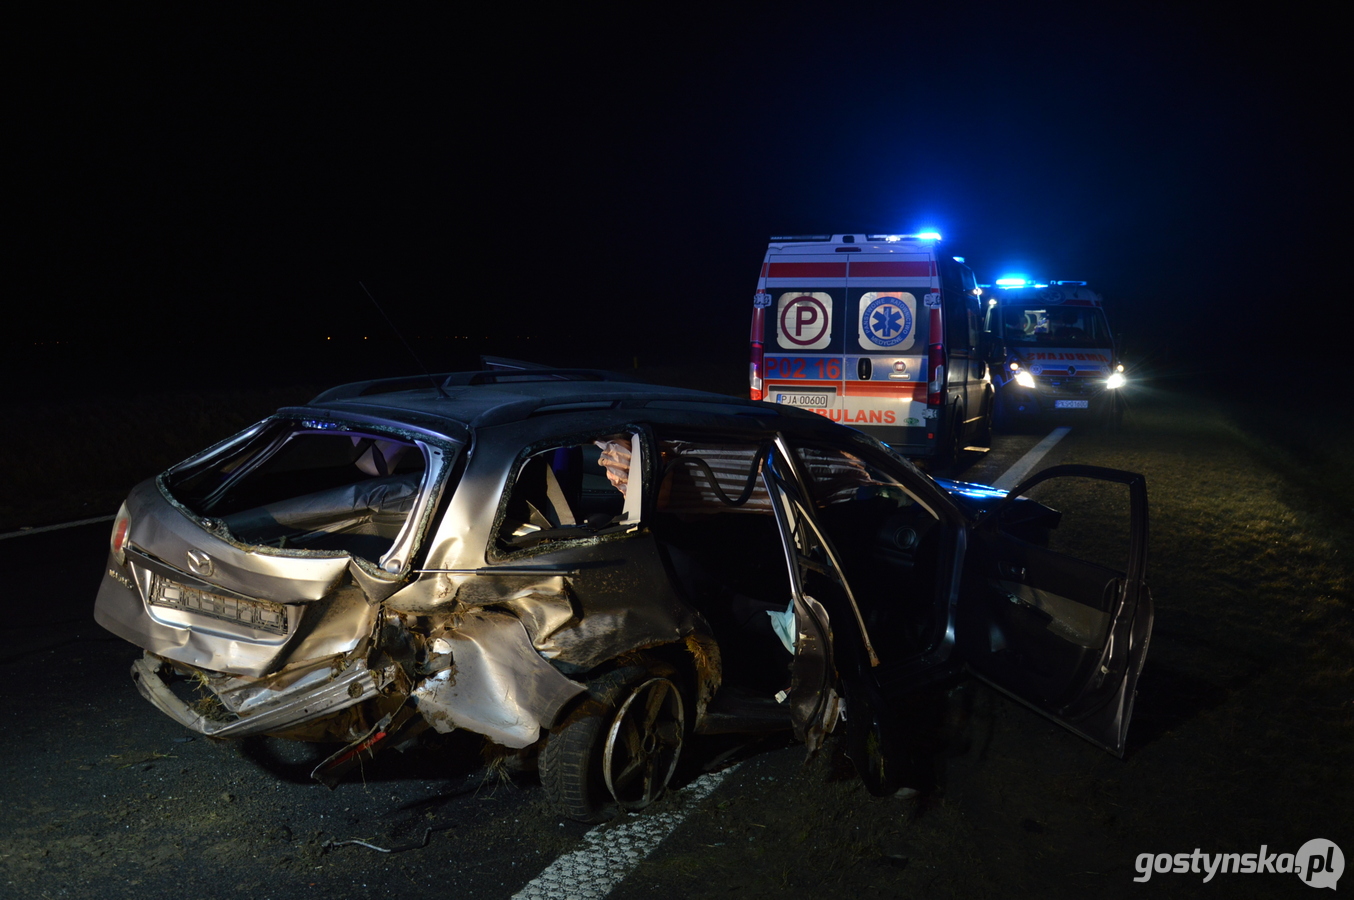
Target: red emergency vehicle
x=883 y=332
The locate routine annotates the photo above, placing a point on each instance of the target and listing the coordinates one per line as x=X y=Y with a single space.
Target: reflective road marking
x=1016 y=474
x=611 y=853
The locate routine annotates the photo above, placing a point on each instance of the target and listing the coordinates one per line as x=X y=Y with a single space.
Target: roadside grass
x=1250 y=679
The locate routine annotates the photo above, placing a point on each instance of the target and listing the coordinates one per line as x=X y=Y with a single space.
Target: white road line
x=28 y=531
x=612 y=853
x=1016 y=474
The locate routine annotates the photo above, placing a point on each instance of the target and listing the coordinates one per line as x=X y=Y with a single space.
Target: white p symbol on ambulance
x=805 y=320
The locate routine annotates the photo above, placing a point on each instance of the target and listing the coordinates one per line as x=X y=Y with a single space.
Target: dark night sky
x=220 y=181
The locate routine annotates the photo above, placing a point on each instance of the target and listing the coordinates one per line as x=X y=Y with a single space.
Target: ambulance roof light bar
x=1019 y=281
x=894 y=238
x=851 y=238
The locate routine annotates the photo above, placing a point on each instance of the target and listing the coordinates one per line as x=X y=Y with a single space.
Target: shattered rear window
x=294 y=486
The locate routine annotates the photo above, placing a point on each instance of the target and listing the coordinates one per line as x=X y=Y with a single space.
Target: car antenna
x=418 y=362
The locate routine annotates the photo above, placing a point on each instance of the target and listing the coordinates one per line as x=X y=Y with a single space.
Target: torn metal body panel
x=279 y=711
x=498 y=685
x=244 y=620
x=534 y=555
x=163 y=529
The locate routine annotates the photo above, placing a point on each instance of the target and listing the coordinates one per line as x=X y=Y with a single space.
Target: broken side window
x=296 y=486
x=577 y=490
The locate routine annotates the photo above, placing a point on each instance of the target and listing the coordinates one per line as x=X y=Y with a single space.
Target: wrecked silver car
x=567 y=561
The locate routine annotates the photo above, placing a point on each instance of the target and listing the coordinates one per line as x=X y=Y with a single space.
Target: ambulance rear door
x=891 y=297
x=968 y=404
x=803 y=288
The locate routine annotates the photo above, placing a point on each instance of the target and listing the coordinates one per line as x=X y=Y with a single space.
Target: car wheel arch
x=576 y=760
x=693 y=662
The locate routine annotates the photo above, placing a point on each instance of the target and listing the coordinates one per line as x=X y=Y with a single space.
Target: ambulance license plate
x=1071 y=404
x=813 y=401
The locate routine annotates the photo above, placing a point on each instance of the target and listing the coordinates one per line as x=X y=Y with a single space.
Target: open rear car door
x=1064 y=634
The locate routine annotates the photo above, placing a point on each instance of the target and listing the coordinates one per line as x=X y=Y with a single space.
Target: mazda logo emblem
x=200 y=563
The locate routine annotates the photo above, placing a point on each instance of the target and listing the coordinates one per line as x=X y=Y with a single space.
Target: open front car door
x=1055 y=609
x=815 y=580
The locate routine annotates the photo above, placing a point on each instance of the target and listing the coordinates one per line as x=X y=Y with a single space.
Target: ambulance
x=1060 y=358
x=883 y=332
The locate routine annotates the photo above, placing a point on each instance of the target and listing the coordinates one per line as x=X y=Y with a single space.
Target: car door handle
x=1013 y=572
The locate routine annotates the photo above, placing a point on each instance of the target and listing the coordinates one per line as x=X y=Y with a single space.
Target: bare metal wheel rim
x=644 y=743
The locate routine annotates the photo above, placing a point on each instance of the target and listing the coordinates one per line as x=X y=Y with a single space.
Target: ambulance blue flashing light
x=894 y=238
x=1012 y=281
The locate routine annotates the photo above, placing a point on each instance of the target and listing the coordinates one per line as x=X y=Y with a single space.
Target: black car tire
x=984 y=438
x=954 y=437
x=619 y=747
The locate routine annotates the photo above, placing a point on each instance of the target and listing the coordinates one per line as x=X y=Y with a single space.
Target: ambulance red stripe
x=807 y=270
x=892 y=269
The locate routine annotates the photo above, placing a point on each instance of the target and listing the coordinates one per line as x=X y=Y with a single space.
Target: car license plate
x=816 y=401
x=262 y=614
x=1071 y=404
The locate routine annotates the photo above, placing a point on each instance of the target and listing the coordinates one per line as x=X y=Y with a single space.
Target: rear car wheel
x=619 y=747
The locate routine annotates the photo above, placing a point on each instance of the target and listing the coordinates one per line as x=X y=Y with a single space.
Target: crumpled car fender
x=497 y=685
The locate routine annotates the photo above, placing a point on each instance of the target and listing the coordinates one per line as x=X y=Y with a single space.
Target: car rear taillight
x=935 y=364
x=118 y=542
x=758 y=353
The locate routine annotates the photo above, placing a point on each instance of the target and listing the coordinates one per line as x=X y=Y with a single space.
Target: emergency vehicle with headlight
x=883 y=332
x=1060 y=356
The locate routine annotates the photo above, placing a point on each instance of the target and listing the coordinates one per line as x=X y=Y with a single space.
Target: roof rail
x=357 y=389
x=503 y=362
x=509 y=376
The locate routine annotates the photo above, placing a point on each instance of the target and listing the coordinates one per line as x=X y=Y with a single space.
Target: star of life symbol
x=887 y=321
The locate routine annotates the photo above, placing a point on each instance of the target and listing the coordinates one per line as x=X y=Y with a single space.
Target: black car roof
x=457 y=402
